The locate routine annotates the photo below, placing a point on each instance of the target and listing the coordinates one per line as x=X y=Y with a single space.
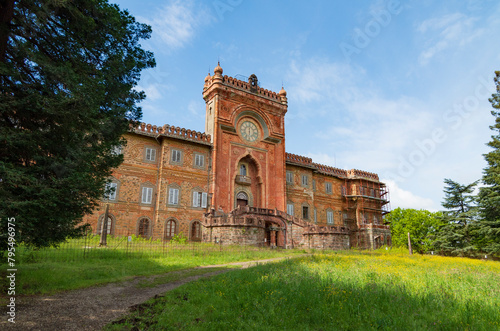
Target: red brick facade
x=236 y=184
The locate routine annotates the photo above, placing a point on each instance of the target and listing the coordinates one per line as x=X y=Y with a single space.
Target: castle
x=235 y=184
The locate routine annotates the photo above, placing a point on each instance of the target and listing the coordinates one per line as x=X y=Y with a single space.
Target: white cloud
x=152 y=91
x=406 y=199
x=175 y=24
x=445 y=33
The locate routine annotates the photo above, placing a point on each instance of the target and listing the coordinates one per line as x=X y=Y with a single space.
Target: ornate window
x=243 y=170
x=329 y=216
x=110 y=226
x=196 y=231
x=143 y=228
x=170 y=229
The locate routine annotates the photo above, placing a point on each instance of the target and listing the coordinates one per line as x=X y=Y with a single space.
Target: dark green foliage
x=66 y=98
x=489 y=195
x=458 y=233
x=421 y=224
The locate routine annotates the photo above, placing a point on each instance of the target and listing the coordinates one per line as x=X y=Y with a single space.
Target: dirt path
x=92 y=308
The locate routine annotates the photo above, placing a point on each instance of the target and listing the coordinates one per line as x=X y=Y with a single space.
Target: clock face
x=249 y=131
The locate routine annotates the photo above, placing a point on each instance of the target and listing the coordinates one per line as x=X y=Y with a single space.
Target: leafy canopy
x=421 y=224
x=67 y=73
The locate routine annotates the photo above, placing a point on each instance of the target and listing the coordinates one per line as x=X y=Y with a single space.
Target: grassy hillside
x=335 y=291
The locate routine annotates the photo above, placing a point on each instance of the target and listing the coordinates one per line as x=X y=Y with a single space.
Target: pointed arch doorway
x=241 y=199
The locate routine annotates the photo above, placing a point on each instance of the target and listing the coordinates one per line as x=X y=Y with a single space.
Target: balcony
x=243 y=180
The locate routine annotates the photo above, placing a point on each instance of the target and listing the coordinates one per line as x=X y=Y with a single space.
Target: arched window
x=143 y=228
x=196 y=231
x=110 y=226
x=329 y=216
x=243 y=170
x=241 y=199
x=170 y=229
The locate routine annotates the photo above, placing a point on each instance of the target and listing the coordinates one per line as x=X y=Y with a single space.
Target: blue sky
x=399 y=88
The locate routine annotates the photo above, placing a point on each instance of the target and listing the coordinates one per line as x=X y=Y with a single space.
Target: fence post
x=409 y=244
x=104 y=229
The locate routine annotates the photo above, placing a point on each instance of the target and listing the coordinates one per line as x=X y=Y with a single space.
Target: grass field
x=336 y=291
x=78 y=263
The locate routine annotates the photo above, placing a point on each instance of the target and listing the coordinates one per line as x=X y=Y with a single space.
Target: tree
x=67 y=73
x=421 y=224
x=489 y=195
x=458 y=233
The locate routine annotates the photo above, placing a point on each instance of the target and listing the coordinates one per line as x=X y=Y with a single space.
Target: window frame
x=115 y=193
x=304 y=180
x=330 y=220
x=199 y=156
x=171 y=189
x=146 y=187
x=152 y=154
x=199 y=199
x=172 y=233
x=328 y=188
x=305 y=212
x=180 y=153
x=148 y=228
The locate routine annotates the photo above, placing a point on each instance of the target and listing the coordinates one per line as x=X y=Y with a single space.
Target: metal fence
x=126 y=246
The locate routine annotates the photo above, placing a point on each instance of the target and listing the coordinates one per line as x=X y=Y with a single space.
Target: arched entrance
x=275 y=236
x=241 y=199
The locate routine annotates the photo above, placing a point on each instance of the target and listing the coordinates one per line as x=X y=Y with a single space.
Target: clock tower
x=246 y=124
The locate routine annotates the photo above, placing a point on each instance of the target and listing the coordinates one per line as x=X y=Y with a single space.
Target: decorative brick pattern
x=247 y=209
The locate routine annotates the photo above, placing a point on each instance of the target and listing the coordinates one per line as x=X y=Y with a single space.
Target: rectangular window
x=289 y=209
x=328 y=187
x=314 y=185
x=305 y=212
x=305 y=180
x=199 y=160
x=200 y=199
x=176 y=156
x=173 y=196
x=110 y=191
x=345 y=219
x=315 y=215
x=344 y=191
x=150 y=154
x=147 y=195
x=289 y=177
x=329 y=217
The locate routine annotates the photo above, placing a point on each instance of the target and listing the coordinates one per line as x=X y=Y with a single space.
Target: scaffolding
x=363 y=197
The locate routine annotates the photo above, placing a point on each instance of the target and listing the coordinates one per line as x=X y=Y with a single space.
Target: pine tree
x=457 y=234
x=489 y=195
x=67 y=73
